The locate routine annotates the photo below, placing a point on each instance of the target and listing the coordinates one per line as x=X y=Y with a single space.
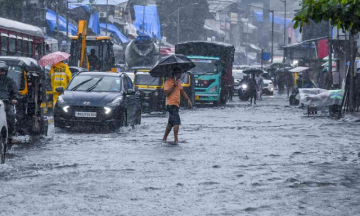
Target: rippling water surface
x=235 y=160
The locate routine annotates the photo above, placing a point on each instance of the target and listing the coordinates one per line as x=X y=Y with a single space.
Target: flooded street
x=267 y=159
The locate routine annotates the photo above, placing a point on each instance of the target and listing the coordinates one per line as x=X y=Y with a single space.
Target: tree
x=192 y=18
x=344 y=14
x=12 y=9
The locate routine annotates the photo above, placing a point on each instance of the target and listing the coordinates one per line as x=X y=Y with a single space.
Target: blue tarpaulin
x=51 y=21
x=73 y=6
x=152 y=22
x=94 y=23
x=113 y=29
x=101 y=2
x=277 y=19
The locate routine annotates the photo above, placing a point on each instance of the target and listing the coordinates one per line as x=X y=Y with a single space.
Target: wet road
x=234 y=160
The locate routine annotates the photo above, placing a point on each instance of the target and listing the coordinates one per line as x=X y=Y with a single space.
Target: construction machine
x=101 y=49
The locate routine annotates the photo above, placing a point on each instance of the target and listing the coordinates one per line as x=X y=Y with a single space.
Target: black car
x=100 y=98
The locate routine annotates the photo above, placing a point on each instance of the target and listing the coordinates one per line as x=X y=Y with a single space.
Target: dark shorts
x=174 y=118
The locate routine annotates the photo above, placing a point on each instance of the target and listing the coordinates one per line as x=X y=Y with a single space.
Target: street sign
x=234 y=18
x=266 y=56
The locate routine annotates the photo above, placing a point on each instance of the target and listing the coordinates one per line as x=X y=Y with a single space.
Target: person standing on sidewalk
x=173 y=89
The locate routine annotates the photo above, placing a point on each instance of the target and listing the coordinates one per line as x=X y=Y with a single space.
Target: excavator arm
x=82 y=33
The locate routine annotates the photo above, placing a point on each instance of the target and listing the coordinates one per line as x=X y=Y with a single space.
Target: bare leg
x=176 y=132
x=167 y=131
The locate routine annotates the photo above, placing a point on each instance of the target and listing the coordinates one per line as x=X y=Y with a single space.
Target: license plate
x=85 y=114
x=197 y=97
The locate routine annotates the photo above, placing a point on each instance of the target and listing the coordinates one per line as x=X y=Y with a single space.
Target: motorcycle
x=244 y=92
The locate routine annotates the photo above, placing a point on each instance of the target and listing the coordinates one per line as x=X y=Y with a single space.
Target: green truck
x=213 y=72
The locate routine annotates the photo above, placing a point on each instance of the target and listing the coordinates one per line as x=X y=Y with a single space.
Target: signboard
x=223 y=25
x=228 y=26
x=234 y=18
x=266 y=56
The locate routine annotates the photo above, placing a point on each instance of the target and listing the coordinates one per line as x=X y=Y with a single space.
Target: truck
x=142 y=52
x=213 y=72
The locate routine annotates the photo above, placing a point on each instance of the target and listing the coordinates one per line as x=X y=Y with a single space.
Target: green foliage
x=192 y=18
x=344 y=14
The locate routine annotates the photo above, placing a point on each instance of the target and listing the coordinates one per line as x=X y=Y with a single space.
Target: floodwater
x=267 y=159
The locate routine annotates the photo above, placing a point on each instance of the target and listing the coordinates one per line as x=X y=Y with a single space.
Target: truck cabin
x=99 y=51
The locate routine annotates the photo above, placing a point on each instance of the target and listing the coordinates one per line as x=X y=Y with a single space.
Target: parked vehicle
x=213 y=72
x=3 y=132
x=131 y=75
x=151 y=90
x=268 y=88
x=20 y=39
x=76 y=70
x=31 y=81
x=98 y=98
x=188 y=84
x=238 y=77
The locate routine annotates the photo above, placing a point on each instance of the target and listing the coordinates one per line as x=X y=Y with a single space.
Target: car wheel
x=2 y=149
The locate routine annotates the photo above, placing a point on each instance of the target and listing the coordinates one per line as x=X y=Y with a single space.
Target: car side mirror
x=131 y=92
x=60 y=90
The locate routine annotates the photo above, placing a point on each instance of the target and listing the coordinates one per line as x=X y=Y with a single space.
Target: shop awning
x=298 y=69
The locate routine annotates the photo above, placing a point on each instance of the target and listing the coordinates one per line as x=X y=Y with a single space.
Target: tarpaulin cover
x=51 y=21
x=277 y=19
x=101 y=2
x=320 y=97
x=152 y=22
x=113 y=29
x=94 y=23
x=73 y=6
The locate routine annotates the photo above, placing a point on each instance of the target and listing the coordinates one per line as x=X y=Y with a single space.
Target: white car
x=3 y=132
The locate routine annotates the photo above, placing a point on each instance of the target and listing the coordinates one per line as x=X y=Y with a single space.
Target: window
x=12 y=46
x=129 y=83
x=26 y=48
x=16 y=73
x=31 y=48
x=126 y=84
x=19 y=46
x=4 y=41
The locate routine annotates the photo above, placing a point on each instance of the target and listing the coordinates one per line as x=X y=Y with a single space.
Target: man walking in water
x=173 y=89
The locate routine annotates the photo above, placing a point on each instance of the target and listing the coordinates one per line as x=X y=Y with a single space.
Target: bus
x=20 y=39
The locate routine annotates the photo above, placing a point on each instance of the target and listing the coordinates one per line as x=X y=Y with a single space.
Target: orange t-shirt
x=174 y=98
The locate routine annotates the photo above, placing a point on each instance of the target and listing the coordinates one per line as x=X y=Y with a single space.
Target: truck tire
x=224 y=97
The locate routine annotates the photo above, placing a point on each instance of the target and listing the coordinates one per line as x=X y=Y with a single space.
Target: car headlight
x=116 y=102
x=244 y=86
x=66 y=109
x=107 y=110
x=213 y=89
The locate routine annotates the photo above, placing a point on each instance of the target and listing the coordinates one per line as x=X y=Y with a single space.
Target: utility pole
x=330 y=51
x=284 y=1
x=67 y=19
x=272 y=30
x=107 y=15
x=178 y=26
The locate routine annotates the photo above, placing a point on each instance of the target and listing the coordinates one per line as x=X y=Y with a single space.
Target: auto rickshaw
x=188 y=84
x=30 y=78
x=151 y=89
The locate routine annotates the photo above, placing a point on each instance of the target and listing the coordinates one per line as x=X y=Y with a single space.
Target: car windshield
x=147 y=79
x=185 y=78
x=95 y=83
x=204 y=66
x=238 y=75
x=16 y=74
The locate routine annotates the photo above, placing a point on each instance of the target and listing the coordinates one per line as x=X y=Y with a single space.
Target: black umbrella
x=166 y=66
x=252 y=70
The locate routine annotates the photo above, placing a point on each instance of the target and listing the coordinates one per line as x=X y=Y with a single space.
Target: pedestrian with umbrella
x=253 y=84
x=60 y=73
x=172 y=67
